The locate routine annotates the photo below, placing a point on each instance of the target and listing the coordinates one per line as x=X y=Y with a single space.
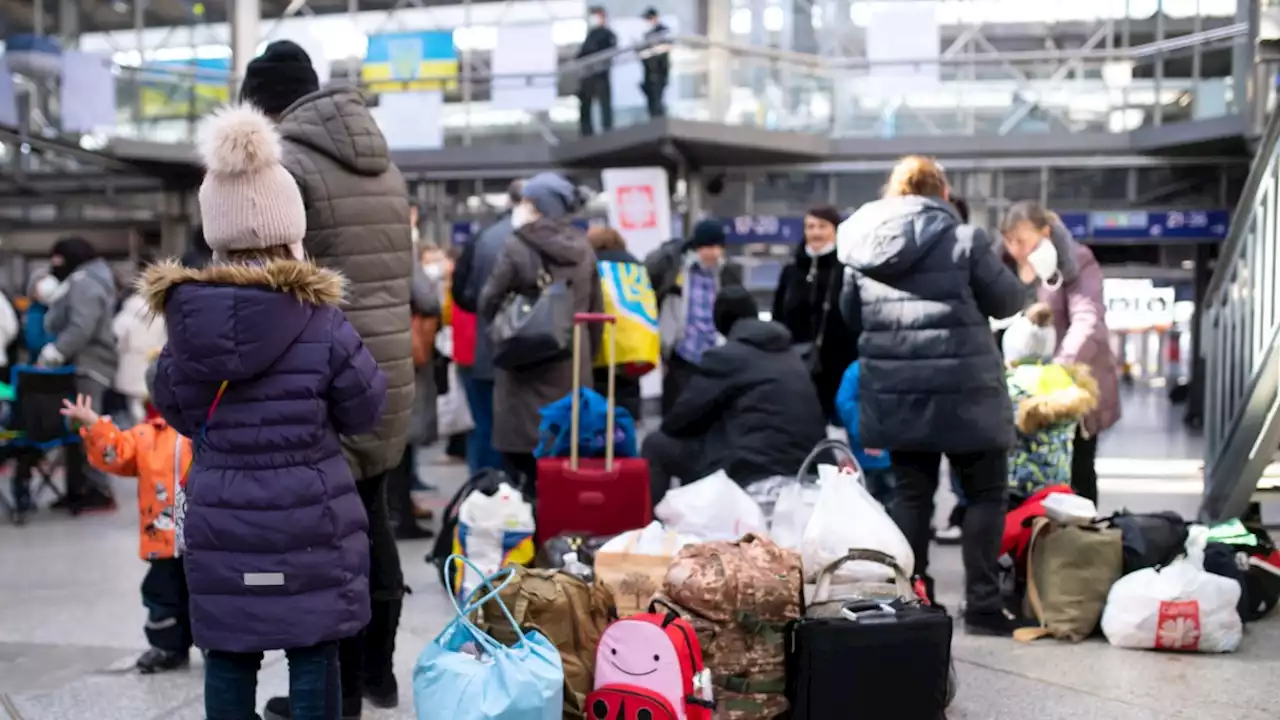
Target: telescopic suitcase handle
x=580 y=319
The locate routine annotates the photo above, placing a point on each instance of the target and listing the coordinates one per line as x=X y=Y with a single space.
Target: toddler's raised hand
x=81 y=410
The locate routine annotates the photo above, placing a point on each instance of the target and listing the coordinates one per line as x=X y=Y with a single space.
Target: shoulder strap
x=204 y=429
x=1039 y=528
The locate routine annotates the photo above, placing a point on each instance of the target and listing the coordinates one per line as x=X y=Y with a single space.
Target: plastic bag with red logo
x=1179 y=607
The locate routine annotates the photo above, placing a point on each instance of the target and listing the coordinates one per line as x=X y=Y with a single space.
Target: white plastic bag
x=1068 y=509
x=494 y=530
x=713 y=508
x=452 y=410
x=1179 y=607
x=652 y=539
x=848 y=518
x=792 y=512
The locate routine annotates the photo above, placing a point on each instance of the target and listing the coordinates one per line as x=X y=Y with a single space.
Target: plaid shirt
x=699 y=328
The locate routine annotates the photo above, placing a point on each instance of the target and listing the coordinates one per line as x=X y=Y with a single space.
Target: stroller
x=35 y=435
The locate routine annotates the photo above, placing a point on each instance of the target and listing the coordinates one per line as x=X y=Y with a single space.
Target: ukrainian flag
x=186 y=88
x=424 y=60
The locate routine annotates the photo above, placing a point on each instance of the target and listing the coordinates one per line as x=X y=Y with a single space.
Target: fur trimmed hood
x=1067 y=404
x=307 y=282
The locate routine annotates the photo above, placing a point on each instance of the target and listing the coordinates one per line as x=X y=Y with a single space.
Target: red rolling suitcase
x=590 y=495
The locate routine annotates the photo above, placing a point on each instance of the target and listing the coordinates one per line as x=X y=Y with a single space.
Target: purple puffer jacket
x=277 y=548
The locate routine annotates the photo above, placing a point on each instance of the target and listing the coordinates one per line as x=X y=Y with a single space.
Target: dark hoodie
x=358 y=223
x=753 y=402
x=555 y=245
x=925 y=288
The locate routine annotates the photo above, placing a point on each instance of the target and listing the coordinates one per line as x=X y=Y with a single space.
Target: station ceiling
x=17 y=16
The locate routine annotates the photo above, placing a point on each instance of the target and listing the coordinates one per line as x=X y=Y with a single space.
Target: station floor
x=71 y=619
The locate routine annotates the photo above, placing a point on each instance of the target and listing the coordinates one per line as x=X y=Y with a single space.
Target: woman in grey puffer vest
x=921 y=291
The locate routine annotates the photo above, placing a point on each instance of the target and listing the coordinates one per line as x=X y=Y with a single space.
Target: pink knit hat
x=248 y=201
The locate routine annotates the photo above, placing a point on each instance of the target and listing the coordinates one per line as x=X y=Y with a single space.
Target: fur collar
x=304 y=280
x=1066 y=405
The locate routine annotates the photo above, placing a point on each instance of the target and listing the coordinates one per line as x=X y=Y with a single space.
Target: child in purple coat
x=263 y=372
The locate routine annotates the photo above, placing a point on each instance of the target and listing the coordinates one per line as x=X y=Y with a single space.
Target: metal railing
x=984 y=93
x=1240 y=342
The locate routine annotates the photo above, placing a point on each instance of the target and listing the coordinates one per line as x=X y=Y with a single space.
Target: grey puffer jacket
x=924 y=288
x=358 y=223
x=518 y=394
x=80 y=322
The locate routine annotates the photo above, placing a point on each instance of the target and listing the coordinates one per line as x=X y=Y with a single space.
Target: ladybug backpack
x=649 y=667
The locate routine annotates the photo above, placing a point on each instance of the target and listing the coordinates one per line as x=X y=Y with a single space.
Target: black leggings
x=983 y=478
x=1084 y=476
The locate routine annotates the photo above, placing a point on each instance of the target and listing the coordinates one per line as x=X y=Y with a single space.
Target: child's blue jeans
x=315 y=693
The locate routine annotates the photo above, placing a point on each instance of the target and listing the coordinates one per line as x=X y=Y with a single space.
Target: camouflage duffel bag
x=739 y=597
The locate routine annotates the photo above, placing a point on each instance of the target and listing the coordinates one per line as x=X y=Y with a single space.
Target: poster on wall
x=411 y=120
x=8 y=96
x=183 y=88
x=410 y=61
x=87 y=96
x=524 y=68
x=1136 y=304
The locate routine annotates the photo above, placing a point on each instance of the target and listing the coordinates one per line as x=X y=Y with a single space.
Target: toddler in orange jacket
x=157 y=456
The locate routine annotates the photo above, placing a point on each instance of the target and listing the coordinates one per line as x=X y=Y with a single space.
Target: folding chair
x=36 y=425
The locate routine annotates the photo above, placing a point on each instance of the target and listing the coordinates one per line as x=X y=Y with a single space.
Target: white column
x=717 y=13
x=245 y=17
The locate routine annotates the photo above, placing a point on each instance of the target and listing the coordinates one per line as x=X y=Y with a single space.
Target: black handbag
x=1150 y=539
x=529 y=331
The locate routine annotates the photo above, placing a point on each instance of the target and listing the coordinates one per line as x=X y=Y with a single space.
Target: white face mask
x=522 y=215
x=46 y=289
x=1044 y=260
x=595 y=21
x=434 y=271
x=824 y=250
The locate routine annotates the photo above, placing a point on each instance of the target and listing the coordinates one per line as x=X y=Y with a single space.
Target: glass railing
x=1240 y=341
x=996 y=94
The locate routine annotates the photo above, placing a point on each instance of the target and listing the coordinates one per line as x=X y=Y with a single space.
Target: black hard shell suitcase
x=873 y=659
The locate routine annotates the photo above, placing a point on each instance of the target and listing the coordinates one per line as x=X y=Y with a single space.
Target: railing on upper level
x=1240 y=342
x=1086 y=90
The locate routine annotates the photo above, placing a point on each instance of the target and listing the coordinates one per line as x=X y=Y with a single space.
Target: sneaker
x=999 y=623
x=278 y=709
x=156 y=660
x=949 y=536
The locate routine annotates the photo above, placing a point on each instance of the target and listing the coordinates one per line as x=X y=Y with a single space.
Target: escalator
x=1241 y=343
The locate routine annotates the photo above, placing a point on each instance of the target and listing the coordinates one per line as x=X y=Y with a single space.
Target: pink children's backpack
x=649 y=667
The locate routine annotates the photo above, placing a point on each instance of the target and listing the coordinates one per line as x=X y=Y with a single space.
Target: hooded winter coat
x=80 y=321
x=753 y=402
x=358 y=223
x=807 y=302
x=923 y=288
x=519 y=394
x=277 y=550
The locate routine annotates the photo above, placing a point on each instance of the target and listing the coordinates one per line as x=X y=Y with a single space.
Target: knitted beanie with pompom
x=248 y=201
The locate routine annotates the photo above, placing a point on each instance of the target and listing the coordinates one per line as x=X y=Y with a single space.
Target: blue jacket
x=35 y=335
x=849 y=412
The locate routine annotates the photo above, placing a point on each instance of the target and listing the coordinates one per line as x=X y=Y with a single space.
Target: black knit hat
x=706 y=234
x=733 y=303
x=278 y=77
x=826 y=212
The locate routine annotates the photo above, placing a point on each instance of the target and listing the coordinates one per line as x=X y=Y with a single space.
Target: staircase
x=1240 y=343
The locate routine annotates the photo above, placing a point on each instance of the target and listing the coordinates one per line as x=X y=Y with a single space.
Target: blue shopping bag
x=554 y=429
x=522 y=682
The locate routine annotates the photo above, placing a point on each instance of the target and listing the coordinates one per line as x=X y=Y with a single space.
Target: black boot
x=378 y=672
x=156 y=660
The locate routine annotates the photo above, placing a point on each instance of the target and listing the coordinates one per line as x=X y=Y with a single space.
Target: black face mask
x=61 y=272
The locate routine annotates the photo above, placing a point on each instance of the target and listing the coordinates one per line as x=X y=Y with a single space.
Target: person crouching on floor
x=1049 y=400
x=155 y=454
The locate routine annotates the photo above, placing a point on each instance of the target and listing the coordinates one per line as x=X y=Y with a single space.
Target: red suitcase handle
x=580 y=319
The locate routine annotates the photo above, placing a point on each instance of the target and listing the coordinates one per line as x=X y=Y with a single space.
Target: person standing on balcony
x=1080 y=318
x=357 y=207
x=595 y=85
x=657 y=64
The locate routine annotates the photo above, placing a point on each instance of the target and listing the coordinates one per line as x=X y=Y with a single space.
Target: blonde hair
x=605 y=238
x=917 y=175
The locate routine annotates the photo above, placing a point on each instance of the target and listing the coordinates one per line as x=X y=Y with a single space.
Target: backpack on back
x=651 y=662
x=571 y=613
x=740 y=597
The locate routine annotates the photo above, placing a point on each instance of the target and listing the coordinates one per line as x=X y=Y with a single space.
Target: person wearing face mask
x=918 y=294
x=1079 y=317
x=806 y=302
x=80 y=322
x=686 y=301
x=545 y=241
x=657 y=64
x=594 y=86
